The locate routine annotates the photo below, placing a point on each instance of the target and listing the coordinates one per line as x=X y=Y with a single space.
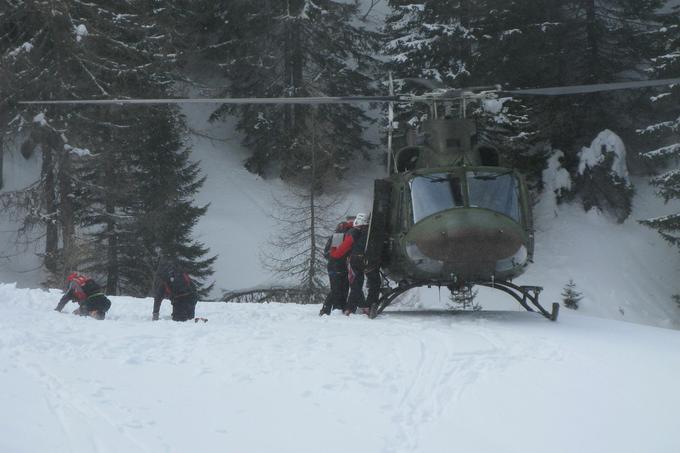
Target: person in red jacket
x=337 y=269
x=353 y=248
x=88 y=294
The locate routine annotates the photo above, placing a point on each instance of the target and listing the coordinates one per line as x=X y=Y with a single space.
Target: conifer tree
x=297 y=48
x=434 y=40
x=457 y=43
x=663 y=134
x=527 y=43
x=148 y=213
x=67 y=50
x=296 y=251
x=464 y=299
x=40 y=47
x=571 y=296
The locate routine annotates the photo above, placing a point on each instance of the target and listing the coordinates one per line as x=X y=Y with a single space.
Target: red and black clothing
x=88 y=294
x=337 y=272
x=176 y=285
x=354 y=247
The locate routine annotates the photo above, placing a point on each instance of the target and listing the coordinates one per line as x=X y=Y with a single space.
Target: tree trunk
x=49 y=194
x=466 y=50
x=293 y=62
x=3 y=122
x=2 y=154
x=592 y=59
x=312 y=222
x=112 y=271
x=66 y=213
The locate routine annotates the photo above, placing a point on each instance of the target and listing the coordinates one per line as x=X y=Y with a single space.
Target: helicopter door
x=377 y=230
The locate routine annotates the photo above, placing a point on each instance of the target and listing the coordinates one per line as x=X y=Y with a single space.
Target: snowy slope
x=239 y=221
x=263 y=378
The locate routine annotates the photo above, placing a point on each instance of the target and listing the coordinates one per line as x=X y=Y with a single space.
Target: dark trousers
x=373 y=284
x=184 y=308
x=356 y=288
x=337 y=297
x=98 y=304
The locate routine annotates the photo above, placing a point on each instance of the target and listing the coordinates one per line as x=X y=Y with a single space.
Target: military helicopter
x=449 y=213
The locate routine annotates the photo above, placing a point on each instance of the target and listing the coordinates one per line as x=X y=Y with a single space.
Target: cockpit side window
x=434 y=193
x=498 y=192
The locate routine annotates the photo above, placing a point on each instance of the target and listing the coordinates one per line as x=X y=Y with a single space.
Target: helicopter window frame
x=430 y=196
x=489 y=190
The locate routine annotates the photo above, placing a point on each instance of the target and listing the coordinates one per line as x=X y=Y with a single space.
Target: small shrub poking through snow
x=570 y=296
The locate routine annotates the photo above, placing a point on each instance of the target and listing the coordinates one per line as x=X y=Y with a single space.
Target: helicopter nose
x=463 y=237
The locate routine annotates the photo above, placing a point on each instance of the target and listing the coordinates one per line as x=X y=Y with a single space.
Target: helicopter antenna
x=390 y=127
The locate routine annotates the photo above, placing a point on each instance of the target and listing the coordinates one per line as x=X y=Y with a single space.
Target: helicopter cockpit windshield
x=496 y=191
x=434 y=193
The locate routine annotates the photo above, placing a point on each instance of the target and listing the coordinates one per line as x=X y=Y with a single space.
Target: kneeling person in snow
x=173 y=283
x=88 y=294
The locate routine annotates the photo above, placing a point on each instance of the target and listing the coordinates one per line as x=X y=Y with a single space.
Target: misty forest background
x=117 y=183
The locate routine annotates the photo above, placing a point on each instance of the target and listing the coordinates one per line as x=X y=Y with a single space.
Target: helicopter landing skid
x=525 y=295
x=389 y=294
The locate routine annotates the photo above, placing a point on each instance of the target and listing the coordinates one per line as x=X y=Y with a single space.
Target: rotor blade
x=581 y=89
x=292 y=100
x=430 y=84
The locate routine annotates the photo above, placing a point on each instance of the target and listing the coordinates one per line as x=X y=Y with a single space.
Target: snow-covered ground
x=277 y=378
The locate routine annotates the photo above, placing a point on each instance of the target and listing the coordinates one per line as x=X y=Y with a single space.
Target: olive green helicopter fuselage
x=456 y=216
x=451 y=214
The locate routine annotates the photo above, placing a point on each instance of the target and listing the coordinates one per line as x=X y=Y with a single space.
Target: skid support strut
x=525 y=295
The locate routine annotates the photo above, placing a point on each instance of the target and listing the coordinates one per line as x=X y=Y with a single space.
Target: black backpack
x=91 y=287
x=356 y=257
x=177 y=282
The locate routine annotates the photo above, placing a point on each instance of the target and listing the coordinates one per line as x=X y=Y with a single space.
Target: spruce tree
x=297 y=48
x=145 y=211
x=456 y=43
x=90 y=181
x=595 y=42
x=663 y=134
x=464 y=299
x=162 y=208
x=434 y=39
x=571 y=296
x=42 y=46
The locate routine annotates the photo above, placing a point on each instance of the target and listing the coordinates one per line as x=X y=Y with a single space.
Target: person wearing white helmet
x=337 y=269
x=361 y=219
x=353 y=246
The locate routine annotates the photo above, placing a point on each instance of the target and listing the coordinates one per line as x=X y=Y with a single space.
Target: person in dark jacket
x=173 y=283
x=88 y=294
x=354 y=247
x=337 y=270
